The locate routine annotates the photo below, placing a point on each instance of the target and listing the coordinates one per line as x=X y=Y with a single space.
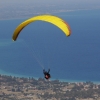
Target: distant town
x=21 y=88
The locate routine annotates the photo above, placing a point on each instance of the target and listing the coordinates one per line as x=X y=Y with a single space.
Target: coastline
x=60 y=80
x=53 y=13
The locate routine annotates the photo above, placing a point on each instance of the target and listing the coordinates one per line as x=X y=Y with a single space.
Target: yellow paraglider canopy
x=60 y=23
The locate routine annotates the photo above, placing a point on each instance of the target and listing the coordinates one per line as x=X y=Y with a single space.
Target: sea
x=41 y=45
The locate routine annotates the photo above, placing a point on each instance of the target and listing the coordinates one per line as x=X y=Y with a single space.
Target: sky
x=75 y=2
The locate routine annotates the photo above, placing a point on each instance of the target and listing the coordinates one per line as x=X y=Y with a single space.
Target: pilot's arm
x=48 y=70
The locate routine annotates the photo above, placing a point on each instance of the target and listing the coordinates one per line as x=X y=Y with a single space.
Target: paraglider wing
x=60 y=23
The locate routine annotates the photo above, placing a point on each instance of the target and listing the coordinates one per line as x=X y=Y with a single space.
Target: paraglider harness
x=46 y=74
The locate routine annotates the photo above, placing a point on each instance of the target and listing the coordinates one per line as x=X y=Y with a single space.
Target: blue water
x=40 y=44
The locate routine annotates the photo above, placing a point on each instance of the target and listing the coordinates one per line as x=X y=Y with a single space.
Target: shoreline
x=60 y=80
x=53 y=13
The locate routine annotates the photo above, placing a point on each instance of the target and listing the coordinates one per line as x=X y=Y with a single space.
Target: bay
x=42 y=45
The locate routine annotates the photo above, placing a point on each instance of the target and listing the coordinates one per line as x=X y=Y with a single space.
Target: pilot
x=46 y=74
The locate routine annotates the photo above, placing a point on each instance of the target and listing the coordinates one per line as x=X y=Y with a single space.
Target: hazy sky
x=52 y=1
x=75 y=3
